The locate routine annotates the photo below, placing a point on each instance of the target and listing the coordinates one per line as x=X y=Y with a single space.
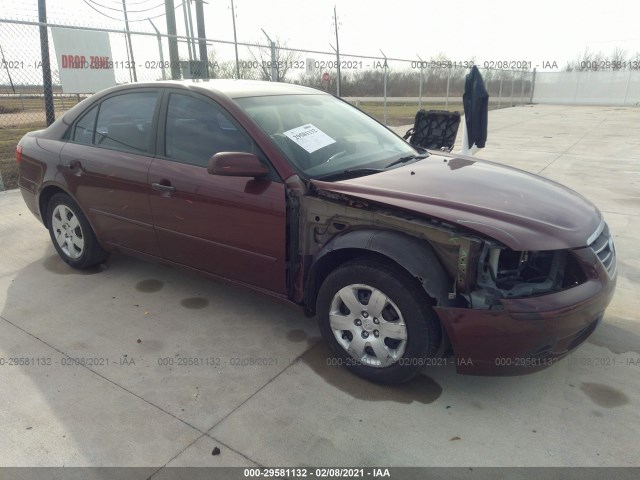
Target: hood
x=521 y=210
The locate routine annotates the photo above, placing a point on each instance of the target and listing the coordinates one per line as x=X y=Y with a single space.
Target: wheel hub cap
x=368 y=325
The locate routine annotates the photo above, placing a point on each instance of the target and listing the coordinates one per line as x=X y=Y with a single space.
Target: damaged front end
x=502 y=311
x=504 y=273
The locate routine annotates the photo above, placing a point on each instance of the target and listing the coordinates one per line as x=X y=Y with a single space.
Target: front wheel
x=72 y=235
x=377 y=321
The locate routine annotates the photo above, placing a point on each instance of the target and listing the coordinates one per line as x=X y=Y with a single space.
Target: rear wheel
x=71 y=233
x=377 y=321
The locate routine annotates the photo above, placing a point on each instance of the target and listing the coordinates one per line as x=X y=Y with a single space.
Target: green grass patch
x=9 y=138
x=16 y=104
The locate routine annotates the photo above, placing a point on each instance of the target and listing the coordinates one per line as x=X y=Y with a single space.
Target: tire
x=71 y=234
x=393 y=330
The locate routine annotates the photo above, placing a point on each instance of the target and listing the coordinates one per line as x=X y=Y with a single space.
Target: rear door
x=105 y=164
x=233 y=227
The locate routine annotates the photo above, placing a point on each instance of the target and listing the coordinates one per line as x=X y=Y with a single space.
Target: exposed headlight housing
x=505 y=273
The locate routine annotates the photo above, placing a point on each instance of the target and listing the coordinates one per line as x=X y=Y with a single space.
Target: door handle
x=166 y=190
x=75 y=167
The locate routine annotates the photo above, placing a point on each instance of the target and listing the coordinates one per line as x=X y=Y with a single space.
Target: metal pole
x=446 y=103
x=274 y=66
x=13 y=89
x=335 y=21
x=533 y=86
x=132 y=68
x=186 y=31
x=46 y=64
x=202 y=44
x=235 y=39
x=164 y=75
x=385 y=86
x=420 y=88
x=522 y=88
x=174 y=59
x=512 y=79
x=626 y=91
x=500 y=92
x=575 y=93
x=193 y=39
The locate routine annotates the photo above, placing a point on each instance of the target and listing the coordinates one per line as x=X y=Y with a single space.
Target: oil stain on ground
x=421 y=389
x=604 y=395
x=149 y=285
x=194 y=303
x=55 y=264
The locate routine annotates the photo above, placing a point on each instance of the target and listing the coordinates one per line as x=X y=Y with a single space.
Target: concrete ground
x=139 y=400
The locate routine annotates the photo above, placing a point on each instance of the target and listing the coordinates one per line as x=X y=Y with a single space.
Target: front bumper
x=529 y=334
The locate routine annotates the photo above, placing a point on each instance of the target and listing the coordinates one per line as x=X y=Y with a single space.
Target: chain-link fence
x=390 y=89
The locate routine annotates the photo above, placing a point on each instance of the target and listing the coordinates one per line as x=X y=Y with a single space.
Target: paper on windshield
x=309 y=137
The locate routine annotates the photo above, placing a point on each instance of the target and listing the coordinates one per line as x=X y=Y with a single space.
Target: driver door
x=233 y=227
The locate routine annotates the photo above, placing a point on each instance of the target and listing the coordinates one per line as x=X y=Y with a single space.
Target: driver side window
x=197 y=129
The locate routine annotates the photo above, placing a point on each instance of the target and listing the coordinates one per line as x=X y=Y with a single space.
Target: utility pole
x=186 y=30
x=193 y=39
x=202 y=43
x=46 y=64
x=132 y=67
x=173 y=41
x=335 y=21
x=235 y=39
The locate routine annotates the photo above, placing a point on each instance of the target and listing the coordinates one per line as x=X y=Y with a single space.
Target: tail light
x=18 y=153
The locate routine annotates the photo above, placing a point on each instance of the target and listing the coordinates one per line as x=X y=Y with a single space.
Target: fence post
x=446 y=102
x=626 y=91
x=46 y=64
x=522 y=87
x=512 y=80
x=385 y=86
x=274 y=66
x=500 y=92
x=164 y=75
x=421 y=80
x=533 y=85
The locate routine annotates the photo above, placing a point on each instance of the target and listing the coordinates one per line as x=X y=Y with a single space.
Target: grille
x=603 y=247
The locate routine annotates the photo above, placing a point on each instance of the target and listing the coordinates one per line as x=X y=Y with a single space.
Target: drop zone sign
x=84 y=60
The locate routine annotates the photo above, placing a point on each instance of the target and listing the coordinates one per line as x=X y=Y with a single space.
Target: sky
x=540 y=32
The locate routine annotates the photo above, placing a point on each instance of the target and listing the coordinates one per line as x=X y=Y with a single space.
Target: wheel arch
x=412 y=254
x=45 y=196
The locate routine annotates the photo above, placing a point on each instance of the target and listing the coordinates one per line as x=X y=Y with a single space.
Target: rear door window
x=124 y=122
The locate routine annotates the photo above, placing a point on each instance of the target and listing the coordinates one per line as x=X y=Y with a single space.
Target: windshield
x=324 y=137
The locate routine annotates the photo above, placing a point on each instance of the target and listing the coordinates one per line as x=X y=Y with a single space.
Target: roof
x=239 y=88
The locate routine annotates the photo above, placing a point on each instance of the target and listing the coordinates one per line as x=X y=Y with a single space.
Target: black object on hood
x=476 y=108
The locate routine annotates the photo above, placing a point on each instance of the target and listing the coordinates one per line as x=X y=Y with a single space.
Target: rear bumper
x=529 y=334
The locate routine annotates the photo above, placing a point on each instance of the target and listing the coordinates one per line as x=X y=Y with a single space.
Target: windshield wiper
x=407 y=158
x=351 y=172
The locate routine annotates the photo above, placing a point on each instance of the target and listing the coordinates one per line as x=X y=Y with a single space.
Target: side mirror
x=236 y=164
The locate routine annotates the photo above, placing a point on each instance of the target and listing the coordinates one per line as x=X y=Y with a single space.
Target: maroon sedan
x=406 y=256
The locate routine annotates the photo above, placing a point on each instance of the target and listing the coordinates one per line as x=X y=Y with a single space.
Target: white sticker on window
x=309 y=137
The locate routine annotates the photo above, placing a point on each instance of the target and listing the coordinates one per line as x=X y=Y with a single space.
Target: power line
x=102 y=13
x=121 y=19
x=131 y=3
x=129 y=11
